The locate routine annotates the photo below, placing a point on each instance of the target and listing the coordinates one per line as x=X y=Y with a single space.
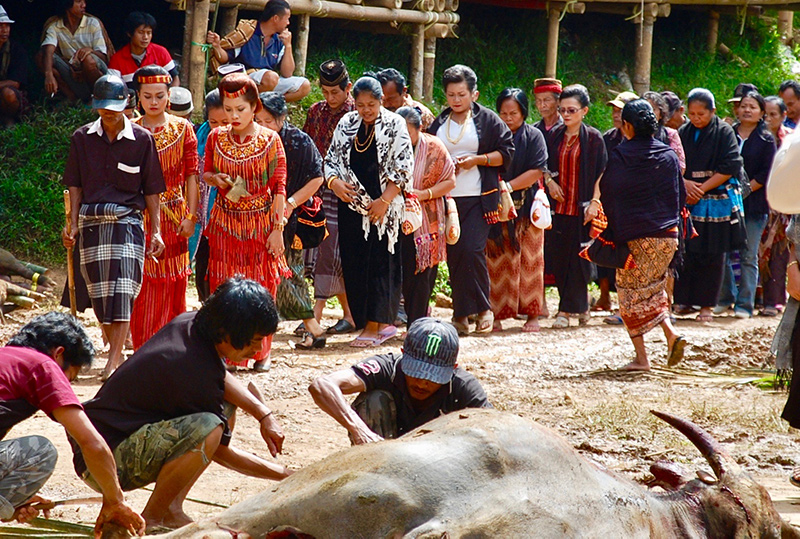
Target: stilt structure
x=429 y=68
x=197 y=58
x=301 y=44
x=713 y=32
x=417 y=61
x=227 y=20
x=644 y=48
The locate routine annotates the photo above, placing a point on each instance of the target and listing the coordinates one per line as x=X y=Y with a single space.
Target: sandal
x=583 y=318
x=362 y=342
x=560 y=322
x=613 y=320
x=794 y=478
x=676 y=352
x=342 y=326
x=705 y=318
x=316 y=342
x=485 y=323
x=300 y=330
x=769 y=311
x=385 y=334
x=461 y=329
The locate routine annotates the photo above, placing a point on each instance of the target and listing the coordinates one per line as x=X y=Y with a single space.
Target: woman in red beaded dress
x=246 y=162
x=163 y=294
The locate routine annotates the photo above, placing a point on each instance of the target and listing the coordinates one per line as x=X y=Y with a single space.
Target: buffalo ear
x=706 y=477
x=668 y=475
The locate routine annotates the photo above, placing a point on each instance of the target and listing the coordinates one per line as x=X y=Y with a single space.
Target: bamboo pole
x=197 y=74
x=785 y=24
x=230 y=15
x=301 y=45
x=551 y=57
x=339 y=10
x=644 y=53
x=73 y=303
x=441 y=31
x=713 y=32
x=429 y=69
x=186 y=53
x=417 y=60
x=391 y=4
x=440 y=5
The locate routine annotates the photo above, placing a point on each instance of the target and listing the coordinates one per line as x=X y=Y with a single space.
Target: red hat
x=541 y=86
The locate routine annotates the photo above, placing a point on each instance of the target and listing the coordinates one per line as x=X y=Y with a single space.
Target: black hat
x=332 y=73
x=742 y=89
x=110 y=93
x=430 y=350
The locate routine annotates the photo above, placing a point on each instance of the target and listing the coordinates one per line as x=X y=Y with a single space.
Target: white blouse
x=468 y=182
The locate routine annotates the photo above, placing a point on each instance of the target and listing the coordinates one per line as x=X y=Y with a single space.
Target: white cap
x=4 y=16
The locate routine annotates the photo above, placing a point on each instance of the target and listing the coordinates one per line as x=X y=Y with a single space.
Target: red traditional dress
x=163 y=294
x=238 y=231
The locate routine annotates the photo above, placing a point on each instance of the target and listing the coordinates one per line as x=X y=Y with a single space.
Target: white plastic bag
x=540 y=211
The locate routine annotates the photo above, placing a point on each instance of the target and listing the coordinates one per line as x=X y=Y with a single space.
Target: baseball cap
x=742 y=89
x=430 y=350
x=110 y=93
x=622 y=98
x=4 y=16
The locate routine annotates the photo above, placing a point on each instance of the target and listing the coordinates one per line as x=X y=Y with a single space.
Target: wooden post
x=552 y=43
x=228 y=19
x=301 y=45
x=417 y=60
x=713 y=31
x=186 y=53
x=785 y=25
x=429 y=69
x=644 y=54
x=197 y=74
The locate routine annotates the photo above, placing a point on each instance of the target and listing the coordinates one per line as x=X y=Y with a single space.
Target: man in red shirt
x=36 y=368
x=141 y=51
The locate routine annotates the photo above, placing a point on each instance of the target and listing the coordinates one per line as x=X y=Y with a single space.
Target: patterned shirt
x=322 y=121
x=89 y=34
x=569 y=162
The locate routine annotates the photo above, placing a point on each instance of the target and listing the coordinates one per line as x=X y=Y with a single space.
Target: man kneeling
x=165 y=412
x=400 y=392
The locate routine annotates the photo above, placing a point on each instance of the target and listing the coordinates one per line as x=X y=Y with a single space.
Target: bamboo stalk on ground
x=70 y=266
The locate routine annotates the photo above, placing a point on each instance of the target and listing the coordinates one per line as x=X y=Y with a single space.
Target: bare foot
x=531 y=326
x=635 y=366
x=172 y=520
x=497 y=326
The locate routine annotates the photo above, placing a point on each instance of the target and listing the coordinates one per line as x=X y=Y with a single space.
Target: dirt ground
x=563 y=379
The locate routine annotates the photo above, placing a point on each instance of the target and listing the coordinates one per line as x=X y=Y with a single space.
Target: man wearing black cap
x=400 y=392
x=113 y=174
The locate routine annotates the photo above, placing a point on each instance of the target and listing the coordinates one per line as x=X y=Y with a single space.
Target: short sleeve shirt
x=256 y=54
x=30 y=381
x=89 y=34
x=384 y=372
x=126 y=65
x=120 y=172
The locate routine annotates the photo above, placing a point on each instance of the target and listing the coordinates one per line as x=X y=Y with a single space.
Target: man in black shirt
x=400 y=392
x=165 y=412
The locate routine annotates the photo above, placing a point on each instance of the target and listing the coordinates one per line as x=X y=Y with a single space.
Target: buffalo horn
x=701 y=439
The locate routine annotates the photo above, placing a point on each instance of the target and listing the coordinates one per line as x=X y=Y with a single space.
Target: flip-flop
x=485 y=323
x=560 y=322
x=385 y=334
x=613 y=320
x=676 y=353
x=362 y=342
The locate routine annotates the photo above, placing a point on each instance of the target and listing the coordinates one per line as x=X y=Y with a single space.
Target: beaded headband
x=238 y=93
x=155 y=79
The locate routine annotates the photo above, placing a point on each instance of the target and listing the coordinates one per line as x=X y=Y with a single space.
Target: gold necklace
x=361 y=147
x=573 y=139
x=461 y=133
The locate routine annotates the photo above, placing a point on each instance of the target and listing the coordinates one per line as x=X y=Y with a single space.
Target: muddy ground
x=560 y=378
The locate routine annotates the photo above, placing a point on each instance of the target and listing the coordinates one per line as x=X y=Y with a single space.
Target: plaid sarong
x=112 y=258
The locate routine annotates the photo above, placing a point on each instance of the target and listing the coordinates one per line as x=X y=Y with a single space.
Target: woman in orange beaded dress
x=246 y=162
x=163 y=294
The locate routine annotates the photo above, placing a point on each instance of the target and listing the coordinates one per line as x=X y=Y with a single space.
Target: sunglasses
x=568 y=110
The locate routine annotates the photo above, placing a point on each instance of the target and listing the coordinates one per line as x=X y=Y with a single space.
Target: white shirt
x=127 y=131
x=468 y=182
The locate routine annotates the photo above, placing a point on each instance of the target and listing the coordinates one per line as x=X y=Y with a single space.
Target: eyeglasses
x=568 y=110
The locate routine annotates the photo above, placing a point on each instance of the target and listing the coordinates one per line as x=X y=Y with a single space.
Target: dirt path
x=560 y=378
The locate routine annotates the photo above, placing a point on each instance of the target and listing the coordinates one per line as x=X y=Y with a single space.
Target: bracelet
x=291 y=202
x=430 y=194
x=265 y=416
x=330 y=181
x=487 y=159
x=790 y=264
x=278 y=226
x=548 y=180
x=384 y=200
x=192 y=217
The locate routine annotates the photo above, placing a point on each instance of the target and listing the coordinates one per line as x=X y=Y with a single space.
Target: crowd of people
x=364 y=202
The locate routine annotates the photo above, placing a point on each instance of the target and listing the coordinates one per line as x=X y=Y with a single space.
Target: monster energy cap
x=430 y=350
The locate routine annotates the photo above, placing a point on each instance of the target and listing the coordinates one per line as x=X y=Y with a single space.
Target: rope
x=566 y=7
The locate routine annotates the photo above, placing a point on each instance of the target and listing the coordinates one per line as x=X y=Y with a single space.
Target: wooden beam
x=551 y=56
x=429 y=69
x=339 y=10
x=228 y=18
x=301 y=45
x=644 y=52
x=186 y=53
x=417 y=61
x=785 y=24
x=197 y=74
x=713 y=32
x=441 y=31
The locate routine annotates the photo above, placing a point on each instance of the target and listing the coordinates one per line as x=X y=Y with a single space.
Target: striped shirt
x=89 y=34
x=569 y=159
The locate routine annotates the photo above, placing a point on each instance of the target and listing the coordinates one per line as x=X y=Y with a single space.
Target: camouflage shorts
x=378 y=410
x=141 y=455
x=25 y=466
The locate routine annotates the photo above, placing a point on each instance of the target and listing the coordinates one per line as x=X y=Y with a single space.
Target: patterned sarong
x=112 y=258
x=643 y=301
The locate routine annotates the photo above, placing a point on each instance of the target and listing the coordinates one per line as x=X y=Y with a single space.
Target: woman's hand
x=467 y=162
x=591 y=212
x=343 y=190
x=186 y=228
x=555 y=191
x=219 y=180
x=693 y=192
x=275 y=243
x=376 y=210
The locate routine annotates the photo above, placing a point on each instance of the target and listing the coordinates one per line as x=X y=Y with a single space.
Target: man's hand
x=30 y=509
x=120 y=514
x=82 y=54
x=286 y=38
x=364 y=436
x=272 y=433
x=156 y=246
x=213 y=39
x=50 y=84
x=68 y=239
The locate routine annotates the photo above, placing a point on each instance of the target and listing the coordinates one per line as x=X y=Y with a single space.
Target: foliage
x=31 y=192
x=442 y=284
